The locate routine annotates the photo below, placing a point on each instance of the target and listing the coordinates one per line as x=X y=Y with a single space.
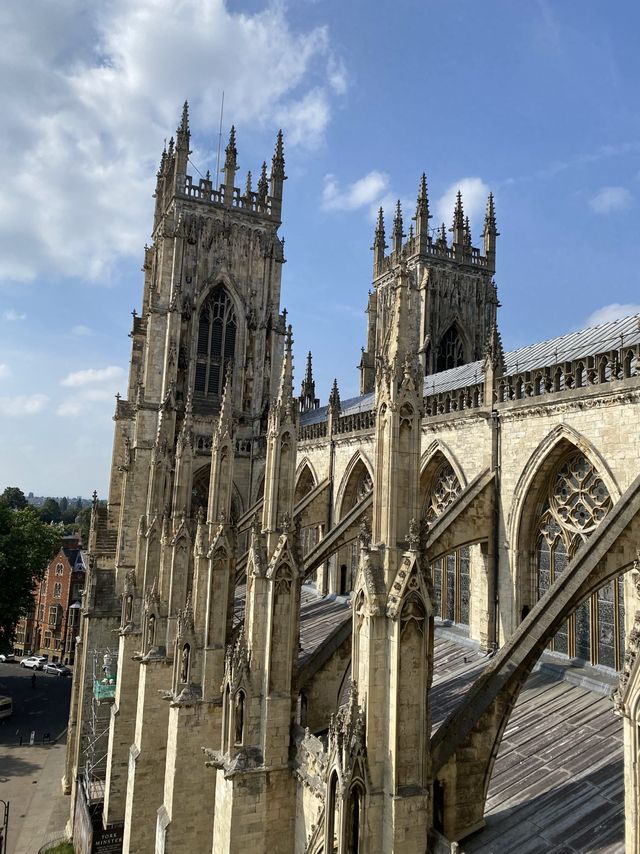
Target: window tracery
x=216 y=343
x=450 y=574
x=576 y=500
x=450 y=352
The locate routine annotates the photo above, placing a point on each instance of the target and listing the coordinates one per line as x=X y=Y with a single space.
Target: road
x=30 y=776
x=43 y=708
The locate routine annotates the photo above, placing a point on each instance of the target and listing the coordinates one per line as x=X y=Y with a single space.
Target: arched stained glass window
x=575 y=502
x=216 y=343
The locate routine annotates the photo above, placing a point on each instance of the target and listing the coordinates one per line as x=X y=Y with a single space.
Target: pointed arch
x=436 y=454
x=355 y=475
x=545 y=527
x=544 y=457
x=452 y=349
x=306 y=480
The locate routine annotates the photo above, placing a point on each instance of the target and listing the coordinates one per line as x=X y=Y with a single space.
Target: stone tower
x=196 y=404
x=454 y=280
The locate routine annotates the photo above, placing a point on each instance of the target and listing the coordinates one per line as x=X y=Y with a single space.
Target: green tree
x=83 y=522
x=50 y=510
x=26 y=546
x=64 y=505
x=14 y=497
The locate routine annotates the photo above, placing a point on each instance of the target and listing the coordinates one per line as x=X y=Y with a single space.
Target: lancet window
x=216 y=343
x=450 y=574
x=574 y=503
x=450 y=352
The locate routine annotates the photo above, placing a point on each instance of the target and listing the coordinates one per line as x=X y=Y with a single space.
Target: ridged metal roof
x=565 y=348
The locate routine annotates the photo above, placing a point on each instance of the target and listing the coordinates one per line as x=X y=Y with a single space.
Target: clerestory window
x=216 y=343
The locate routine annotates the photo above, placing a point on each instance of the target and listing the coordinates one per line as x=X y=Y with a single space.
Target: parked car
x=7 y=656
x=57 y=669
x=35 y=662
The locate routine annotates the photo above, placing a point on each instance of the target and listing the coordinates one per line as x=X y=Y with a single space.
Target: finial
x=397 y=228
x=231 y=151
x=184 y=122
x=207 y=176
x=494 y=351
x=277 y=162
x=247 y=189
x=467 y=233
x=490 y=231
x=309 y=374
x=334 y=400
x=263 y=184
x=458 y=217
x=441 y=242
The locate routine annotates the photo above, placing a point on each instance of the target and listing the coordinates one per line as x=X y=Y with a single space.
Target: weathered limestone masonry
x=495 y=491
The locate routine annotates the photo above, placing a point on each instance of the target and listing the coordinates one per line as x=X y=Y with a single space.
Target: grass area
x=63 y=848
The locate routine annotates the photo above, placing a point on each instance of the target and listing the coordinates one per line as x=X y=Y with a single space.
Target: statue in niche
x=184 y=666
x=128 y=608
x=239 y=717
x=151 y=630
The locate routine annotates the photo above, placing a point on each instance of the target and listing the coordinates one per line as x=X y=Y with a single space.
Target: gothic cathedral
x=269 y=578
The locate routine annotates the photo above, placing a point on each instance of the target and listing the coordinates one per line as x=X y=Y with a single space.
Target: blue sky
x=536 y=101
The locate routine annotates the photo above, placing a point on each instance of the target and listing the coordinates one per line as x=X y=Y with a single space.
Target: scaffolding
x=96 y=741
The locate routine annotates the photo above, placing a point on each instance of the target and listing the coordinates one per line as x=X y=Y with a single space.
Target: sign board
x=108 y=841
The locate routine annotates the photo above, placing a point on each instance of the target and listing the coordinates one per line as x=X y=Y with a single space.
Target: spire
x=263 y=186
x=335 y=407
x=490 y=231
x=277 y=161
x=285 y=394
x=183 y=133
x=441 y=242
x=458 y=221
x=247 y=190
x=308 y=398
x=397 y=229
x=225 y=418
x=230 y=166
x=277 y=178
x=379 y=244
x=494 y=352
x=422 y=216
x=467 y=234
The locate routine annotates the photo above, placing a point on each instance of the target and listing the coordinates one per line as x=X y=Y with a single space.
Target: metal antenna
x=219 y=142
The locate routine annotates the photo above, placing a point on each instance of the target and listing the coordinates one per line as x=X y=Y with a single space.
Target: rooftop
x=565 y=348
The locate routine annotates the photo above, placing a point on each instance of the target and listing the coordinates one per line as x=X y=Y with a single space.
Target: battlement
x=173 y=181
x=433 y=243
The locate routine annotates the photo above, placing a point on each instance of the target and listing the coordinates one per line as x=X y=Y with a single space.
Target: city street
x=30 y=775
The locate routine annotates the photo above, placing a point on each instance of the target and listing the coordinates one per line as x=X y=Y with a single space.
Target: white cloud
x=306 y=119
x=613 y=311
x=23 y=404
x=364 y=192
x=91 y=90
x=90 y=376
x=337 y=74
x=81 y=330
x=69 y=409
x=5 y=371
x=474 y=199
x=12 y=316
x=609 y=199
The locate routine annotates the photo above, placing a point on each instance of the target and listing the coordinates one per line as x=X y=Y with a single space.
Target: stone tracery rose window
x=575 y=502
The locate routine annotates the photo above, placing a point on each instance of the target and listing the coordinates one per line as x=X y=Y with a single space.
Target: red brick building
x=52 y=626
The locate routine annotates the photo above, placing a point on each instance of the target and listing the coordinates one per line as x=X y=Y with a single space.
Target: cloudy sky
x=536 y=101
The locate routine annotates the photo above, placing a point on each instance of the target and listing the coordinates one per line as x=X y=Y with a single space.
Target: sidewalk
x=30 y=780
